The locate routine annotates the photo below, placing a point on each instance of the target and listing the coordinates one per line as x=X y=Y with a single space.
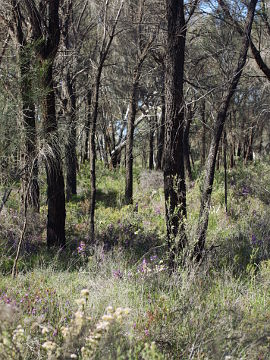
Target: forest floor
x=137 y=309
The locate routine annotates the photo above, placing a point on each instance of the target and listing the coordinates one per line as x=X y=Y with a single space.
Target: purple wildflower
x=81 y=248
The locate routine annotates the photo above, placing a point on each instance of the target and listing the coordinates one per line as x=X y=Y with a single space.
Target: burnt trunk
x=55 y=179
x=71 y=157
x=173 y=164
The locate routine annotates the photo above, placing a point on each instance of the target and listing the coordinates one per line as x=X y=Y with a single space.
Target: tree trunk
x=217 y=133
x=87 y=126
x=130 y=139
x=225 y=170
x=203 y=119
x=93 y=155
x=173 y=165
x=161 y=130
x=186 y=142
x=71 y=157
x=46 y=42
x=55 y=179
x=151 y=145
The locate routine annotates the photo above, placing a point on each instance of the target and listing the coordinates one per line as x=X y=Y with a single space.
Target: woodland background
x=134 y=157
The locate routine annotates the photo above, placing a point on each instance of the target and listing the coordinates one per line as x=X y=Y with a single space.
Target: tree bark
x=151 y=145
x=186 y=142
x=87 y=126
x=203 y=119
x=173 y=165
x=161 y=130
x=130 y=138
x=93 y=154
x=71 y=156
x=55 y=179
x=217 y=133
x=225 y=170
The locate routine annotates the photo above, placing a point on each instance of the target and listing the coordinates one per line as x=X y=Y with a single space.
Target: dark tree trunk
x=46 y=45
x=218 y=158
x=130 y=139
x=249 y=147
x=151 y=145
x=69 y=106
x=55 y=179
x=225 y=170
x=186 y=142
x=93 y=155
x=203 y=119
x=161 y=130
x=217 y=133
x=173 y=161
x=87 y=126
x=71 y=157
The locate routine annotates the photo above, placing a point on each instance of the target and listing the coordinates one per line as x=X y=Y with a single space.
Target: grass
x=218 y=311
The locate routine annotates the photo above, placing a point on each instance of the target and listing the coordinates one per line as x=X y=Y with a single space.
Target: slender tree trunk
x=217 y=133
x=186 y=143
x=225 y=170
x=87 y=126
x=71 y=156
x=161 y=130
x=249 y=148
x=173 y=166
x=203 y=119
x=93 y=155
x=55 y=178
x=130 y=139
x=151 y=145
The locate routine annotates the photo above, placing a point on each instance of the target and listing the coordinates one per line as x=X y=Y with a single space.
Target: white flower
x=81 y=302
x=49 y=346
x=109 y=309
x=45 y=330
x=85 y=292
x=73 y=356
x=107 y=317
x=102 y=325
x=65 y=331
